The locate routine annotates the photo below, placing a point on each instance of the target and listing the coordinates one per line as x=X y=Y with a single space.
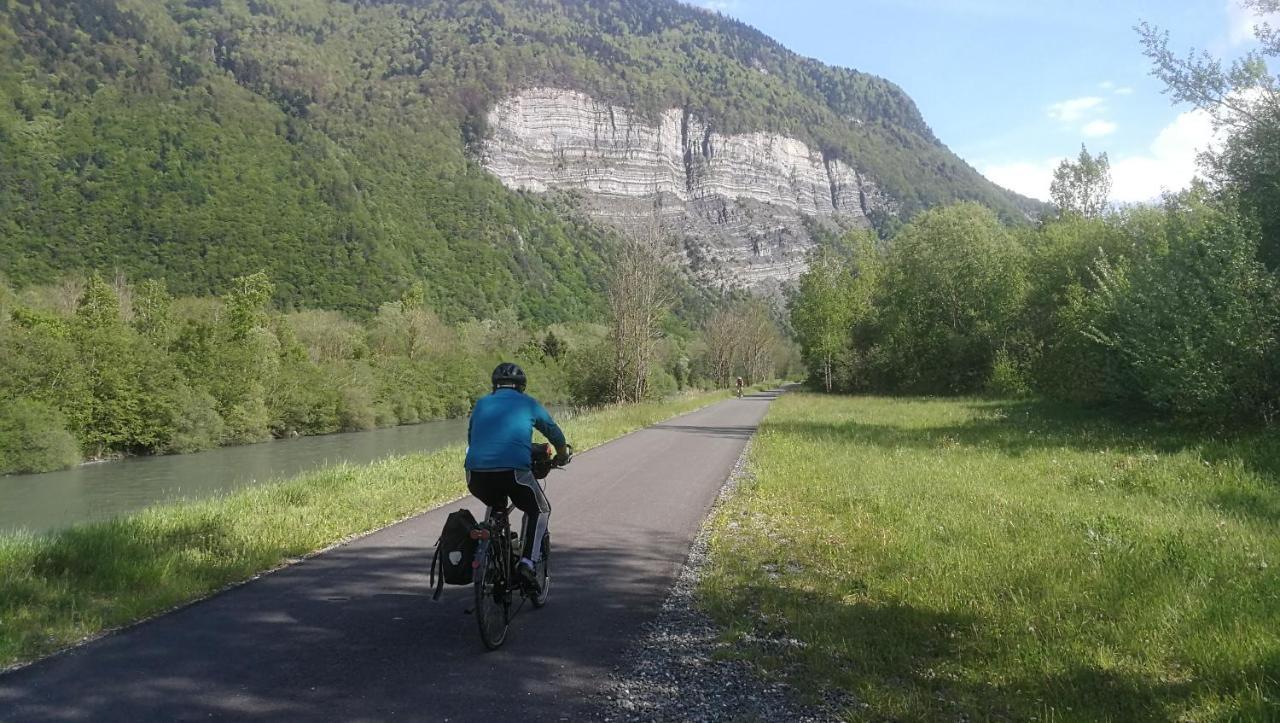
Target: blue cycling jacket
x=501 y=429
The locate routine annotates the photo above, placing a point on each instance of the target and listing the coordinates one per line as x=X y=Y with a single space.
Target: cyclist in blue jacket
x=498 y=459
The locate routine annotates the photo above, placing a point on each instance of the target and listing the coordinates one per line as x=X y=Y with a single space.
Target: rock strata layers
x=738 y=202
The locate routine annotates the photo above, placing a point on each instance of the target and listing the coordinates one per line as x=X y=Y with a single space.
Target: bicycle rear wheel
x=544 y=572
x=492 y=610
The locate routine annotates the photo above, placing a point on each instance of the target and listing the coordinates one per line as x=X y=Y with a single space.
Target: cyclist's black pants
x=494 y=486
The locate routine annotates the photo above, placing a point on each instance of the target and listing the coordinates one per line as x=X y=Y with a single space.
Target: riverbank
x=976 y=559
x=60 y=588
x=92 y=493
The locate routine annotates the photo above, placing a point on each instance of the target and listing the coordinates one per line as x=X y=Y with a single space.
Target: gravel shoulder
x=676 y=670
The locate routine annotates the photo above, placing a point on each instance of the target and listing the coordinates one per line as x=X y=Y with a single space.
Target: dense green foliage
x=56 y=589
x=153 y=139
x=823 y=311
x=111 y=369
x=33 y=438
x=1168 y=308
x=325 y=142
x=951 y=288
x=1195 y=322
x=995 y=560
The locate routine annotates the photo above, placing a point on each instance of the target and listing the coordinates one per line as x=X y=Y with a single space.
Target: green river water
x=98 y=491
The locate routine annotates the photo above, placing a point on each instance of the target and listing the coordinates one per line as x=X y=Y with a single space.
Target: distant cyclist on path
x=498 y=458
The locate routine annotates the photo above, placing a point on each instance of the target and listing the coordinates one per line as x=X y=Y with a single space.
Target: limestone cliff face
x=737 y=201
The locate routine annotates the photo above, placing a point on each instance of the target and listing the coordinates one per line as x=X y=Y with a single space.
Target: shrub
x=247 y=422
x=590 y=378
x=196 y=423
x=1193 y=325
x=34 y=438
x=661 y=383
x=1009 y=376
x=954 y=282
x=355 y=406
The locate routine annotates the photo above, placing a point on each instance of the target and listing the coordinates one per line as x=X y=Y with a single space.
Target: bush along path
x=352 y=633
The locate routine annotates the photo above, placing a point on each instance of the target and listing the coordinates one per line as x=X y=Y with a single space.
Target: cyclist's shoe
x=529 y=574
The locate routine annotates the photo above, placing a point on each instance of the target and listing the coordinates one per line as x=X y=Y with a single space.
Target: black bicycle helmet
x=507 y=374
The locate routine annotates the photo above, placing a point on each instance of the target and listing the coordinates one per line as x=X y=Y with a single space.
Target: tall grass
x=61 y=587
x=1005 y=560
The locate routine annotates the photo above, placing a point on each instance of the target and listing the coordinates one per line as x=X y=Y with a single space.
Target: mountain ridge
x=333 y=143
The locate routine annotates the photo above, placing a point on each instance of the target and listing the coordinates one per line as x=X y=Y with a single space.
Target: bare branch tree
x=742 y=341
x=723 y=336
x=640 y=294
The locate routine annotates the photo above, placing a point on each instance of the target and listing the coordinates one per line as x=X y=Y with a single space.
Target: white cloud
x=1111 y=87
x=1241 y=21
x=1028 y=178
x=1070 y=111
x=1098 y=129
x=1168 y=164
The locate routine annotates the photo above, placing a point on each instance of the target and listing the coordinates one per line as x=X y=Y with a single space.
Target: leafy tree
x=247 y=304
x=1082 y=187
x=553 y=346
x=126 y=401
x=39 y=360
x=98 y=307
x=821 y=312
x=1244 y=101
x=34 y=438
x=953 y=286
x=152 y=308
x=196 y=424
x=329 y=336
x=1061 y=360
x=1193 y=324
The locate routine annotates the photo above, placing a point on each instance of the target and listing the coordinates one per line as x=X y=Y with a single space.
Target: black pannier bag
x=455 y=551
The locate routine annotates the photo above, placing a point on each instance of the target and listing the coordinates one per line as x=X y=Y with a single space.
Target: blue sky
x=1013 y=86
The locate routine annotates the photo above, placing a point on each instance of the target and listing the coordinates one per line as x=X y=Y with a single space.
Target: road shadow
x=1018 y=428
x=1096 y=693
x=901 y=662
x=868 y=652
x=354 y=634
x=726 y=432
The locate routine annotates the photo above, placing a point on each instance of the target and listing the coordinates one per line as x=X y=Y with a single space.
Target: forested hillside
x=326 y=142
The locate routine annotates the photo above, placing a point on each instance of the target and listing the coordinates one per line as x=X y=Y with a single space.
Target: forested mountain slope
x=332 y=143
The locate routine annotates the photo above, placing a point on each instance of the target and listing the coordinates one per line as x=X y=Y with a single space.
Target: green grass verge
x=59 y=588
x=975 y=559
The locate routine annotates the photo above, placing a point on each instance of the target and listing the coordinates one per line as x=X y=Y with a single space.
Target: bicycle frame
x=495 y=579
x=496 y=528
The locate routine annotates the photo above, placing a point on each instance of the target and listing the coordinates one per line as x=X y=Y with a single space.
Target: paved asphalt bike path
x=353 y=635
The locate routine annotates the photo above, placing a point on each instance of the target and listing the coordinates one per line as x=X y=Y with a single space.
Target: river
x=40 y=502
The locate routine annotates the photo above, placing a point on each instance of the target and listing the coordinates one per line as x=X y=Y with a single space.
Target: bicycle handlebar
x=543 y=458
